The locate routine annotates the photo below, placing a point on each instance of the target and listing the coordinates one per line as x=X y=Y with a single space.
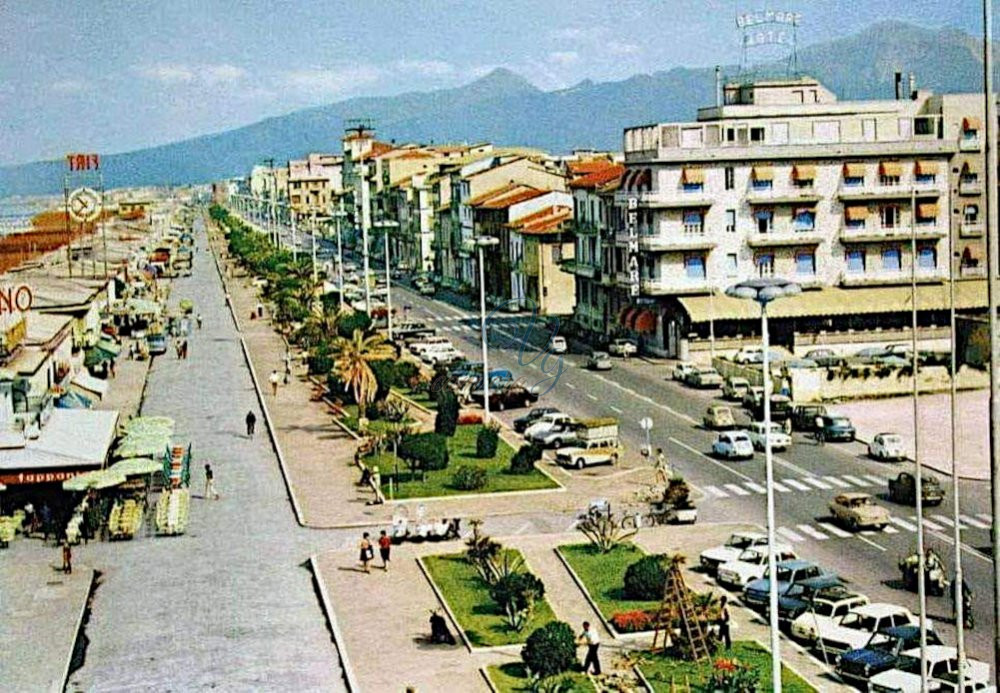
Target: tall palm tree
x=351 y=359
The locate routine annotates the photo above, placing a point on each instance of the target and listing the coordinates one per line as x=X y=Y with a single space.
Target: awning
x=926 y=168
x=971 y=123
x=646 y=322
x=856 y=213
x=101 y=478
x=892 y=169
x=693 y=176
x=622 y=313
x=804 y=172
x=763 y=173
x=90 y=384
x=968 y=168
x=629 y=317
x=832 y=301
x=927 y=210
x=854 y=170
x=97 y=355
x=137 y=466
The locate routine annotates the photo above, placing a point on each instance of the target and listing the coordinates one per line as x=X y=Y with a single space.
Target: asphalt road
x=807 y=475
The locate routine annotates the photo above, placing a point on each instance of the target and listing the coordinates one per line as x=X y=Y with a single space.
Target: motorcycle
x=935 y=577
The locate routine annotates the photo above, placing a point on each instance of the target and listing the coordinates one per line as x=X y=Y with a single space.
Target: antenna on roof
x=359 y=125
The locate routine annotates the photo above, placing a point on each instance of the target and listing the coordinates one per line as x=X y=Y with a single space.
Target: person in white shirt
x=592 y=640
x=275 y=379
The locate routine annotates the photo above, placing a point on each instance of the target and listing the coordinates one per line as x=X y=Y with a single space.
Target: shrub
x=550 y=650
x=604 y=530
x=338 y=388
x=523 y=461
x=732 y=676
x=645 y=579
x=447 y=412
x=517 y=594
x=469 y=478
x=353 y=321
x=320 y=361
x=632 y=621
x=424 y=451
x=390 y=374
x=487 y=440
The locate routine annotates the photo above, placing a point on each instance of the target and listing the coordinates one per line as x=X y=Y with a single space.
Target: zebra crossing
x=805 y=483
x=825 y=529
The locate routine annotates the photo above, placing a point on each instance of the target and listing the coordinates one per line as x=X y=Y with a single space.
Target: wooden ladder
x=692 y=642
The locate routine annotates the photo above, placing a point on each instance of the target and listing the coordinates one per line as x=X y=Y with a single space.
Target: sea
x=16 y=212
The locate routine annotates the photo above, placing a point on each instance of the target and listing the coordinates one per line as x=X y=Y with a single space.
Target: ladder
x=692 y=641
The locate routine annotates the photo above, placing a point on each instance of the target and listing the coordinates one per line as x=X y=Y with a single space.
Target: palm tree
x=351 y=359
x=320 y=327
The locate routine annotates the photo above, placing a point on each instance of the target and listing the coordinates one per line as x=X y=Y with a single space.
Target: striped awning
x=854 y=170
x=763 y=173
x=856 y=213
x=972 y=123
x=804 y=172
x=693 y=176
x=968 y=167
x=628 y=316
x=645 y=322
x=890 y=168
x=926 y=168
x=927 y=210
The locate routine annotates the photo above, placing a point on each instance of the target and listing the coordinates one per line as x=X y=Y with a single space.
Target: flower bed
x=513 y=678
x=603 y=575
x=666 y=673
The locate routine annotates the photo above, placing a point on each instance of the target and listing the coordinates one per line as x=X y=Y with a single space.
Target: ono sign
x=16 y=299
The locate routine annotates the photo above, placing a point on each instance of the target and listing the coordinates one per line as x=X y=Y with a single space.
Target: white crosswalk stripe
x=837 y=482
x=816 y=482
x=855 y=480
x=900 y=522
x=781 y=488
x=716 y=491
x=868 y=532
x=943 y=519
x=835 y=530
x=738 y=490
x=812 y=532
x=756 y=488
x=889 y=529
x=985 y=518
x=973 y=522
x=930 y=525
x=790 y=534
x=877 y=480
x=796 y=484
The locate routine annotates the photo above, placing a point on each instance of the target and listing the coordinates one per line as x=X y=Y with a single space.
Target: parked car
x=553 y=431
x=836 y=427
x=522 y=422
x=752 y=397
x=880 y=653
x=858 y=511
x=682 y=369
x=903 y=490
x=547 y=421
x=749 y=354
x=887 y=446
x=804 y=416
x=825 y=358
x=622 y=347
x=506 y=396
x=412 y=330
x=557 y=345
x=789 y=573
x=733 y=445
x=418 y=346
x=822 y=610
x=704 y=378
x=711 y=559
x=942 y=664
x=855 y=629
x=735 y=387
x=750 y=565
x=779 y=439
x=881 y=356
x=818 y=596
x=599 y=361
x=426 y=289
x=719 y=417
x=781 y=408
x=595 y=441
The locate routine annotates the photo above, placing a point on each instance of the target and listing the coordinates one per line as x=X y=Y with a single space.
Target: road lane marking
x=593 y=397
x=877 y=480
x=571 y=386
x=868 y=532
x=790 y=534
x=928 y=524
x=716 y=491
x=889 y=529
x=779 y=487
x=973 y=522
x=833 y=529
x=872 y=543
x=798 y=485
x=817 y=483
x=738 y=490
x=903 y=523
x=756 y=488
x=713 y=461
x=945 y=520
x=837 y=482
x=616 y=409
x=812 y=532
x=854 y=480
x=988 y=519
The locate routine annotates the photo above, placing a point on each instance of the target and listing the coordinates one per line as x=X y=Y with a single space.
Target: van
x=421 y=345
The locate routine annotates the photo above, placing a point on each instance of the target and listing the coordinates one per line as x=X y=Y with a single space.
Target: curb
x=338 y=637
x=489 y=682
x=441 y=600
x=637 y=669
x=413 y=403
x=615 y=635
x=76 y=634
x=464 y=496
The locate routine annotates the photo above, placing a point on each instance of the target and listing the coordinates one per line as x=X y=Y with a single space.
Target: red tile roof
x=588 y=166
x=378 y=149
x=598 y=176
x=504 y=197
x=543 y=221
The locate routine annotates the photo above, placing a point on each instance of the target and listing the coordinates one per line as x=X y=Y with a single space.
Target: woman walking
x=367 y=553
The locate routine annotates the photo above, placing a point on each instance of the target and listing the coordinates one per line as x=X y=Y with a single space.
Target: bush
x=424 y=451
x=523 y=461
x=338 y=389
x=632 y=621
x=469 y=478
x=447 y=412
x=517 y=594
x=390 y=374
x=487 y=440
x=353 y=321
x=645 y=579
x=320 y=360
x=550 y=650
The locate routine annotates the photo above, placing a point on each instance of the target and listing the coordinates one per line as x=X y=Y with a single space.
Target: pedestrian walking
x=723 y=623
x=275 y=379
x=210 y=491
x=592 y=640
x=198 y=320
x=384 y=548
x=818 y=434
x=367 y=553
x=376 y=483
x=260 y=309
x=251 y=423
x=111 y=368
x=67 y=556
x=663 y=472
x=184 y=349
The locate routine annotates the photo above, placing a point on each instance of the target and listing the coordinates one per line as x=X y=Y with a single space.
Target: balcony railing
x=972 y=272
x=666 y=199
x=872 y=191
x=811 y=236
x=972 y=229
x=900 y=276
x=789 y=196
x=970 y=187
x=684 y=241
x=969 y=144
x=673 y=285
x=876 y=232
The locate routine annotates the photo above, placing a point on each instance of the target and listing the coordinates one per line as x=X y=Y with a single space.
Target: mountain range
x=505 y=108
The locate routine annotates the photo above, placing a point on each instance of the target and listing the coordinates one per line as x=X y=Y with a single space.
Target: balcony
x=811 y=236
x=676 y=242
x=970 y=187
x=969 y=144
x=972 y=229
x=861 y=193
x=792 y=196
x=972 y=272
x=581 y=269
x=674 y=285
x=664 y=199
x=876 y=233
x=888 y=277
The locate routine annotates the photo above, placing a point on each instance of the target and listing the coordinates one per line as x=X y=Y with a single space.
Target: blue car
x=881 y=653
x=791 y=574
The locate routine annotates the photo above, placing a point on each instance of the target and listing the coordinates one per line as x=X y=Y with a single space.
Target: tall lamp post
x=385 y=225
x=763 y=291
x=338 y=215
x=481 y=243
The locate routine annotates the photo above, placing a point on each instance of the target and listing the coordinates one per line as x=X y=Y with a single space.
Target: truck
x=594 y=441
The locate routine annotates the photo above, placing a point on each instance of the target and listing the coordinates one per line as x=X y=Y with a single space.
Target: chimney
x=899 y=84
x=718 y=86
x=913 y=87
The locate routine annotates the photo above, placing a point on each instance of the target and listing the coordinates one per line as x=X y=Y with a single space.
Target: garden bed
x=461 y=451
x=666 y=673
x=603 y=576
x=424 y=398
x=468 y=597
x=513 y=678
x=375 y=426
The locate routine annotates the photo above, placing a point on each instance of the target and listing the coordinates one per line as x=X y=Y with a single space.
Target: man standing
x=67 y=555
x=210 y=491
x=724 y=623
x=384 y=548
x=592 y=640
x=198 y=319
x=662 y=468
x=275 y=379
x=251 y=423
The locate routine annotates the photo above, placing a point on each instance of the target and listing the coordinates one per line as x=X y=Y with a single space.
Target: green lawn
x=603 y=574
x=350 y=420
x=469 y=600
x=424 y=398
x=513 y=678
x=661 y=670
x=461 y=451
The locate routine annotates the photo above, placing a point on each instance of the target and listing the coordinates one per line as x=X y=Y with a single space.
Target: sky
x=118 y=75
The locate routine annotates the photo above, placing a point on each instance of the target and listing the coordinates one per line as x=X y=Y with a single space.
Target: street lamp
x=763 y=291
x=338 y=215
x=481 y=243
x=385 y=225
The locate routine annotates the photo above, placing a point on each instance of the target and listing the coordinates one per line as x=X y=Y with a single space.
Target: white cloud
x=168 y=73
x=564 y=57
x=431 y=68
x=182 y=73
x=69 y=86
x=578 y=33
x=331 y=81
x=222 y=73
x=621 y=48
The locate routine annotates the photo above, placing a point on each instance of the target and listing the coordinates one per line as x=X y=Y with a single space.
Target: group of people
x=368 y=551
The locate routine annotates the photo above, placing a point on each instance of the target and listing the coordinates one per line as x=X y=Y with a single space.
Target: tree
x=350 y=323
x=424 y=451
x=351 y=363
x=517 y=594
x=523 y=461
x=446 y=420
x=645 y=579
x=550 y=650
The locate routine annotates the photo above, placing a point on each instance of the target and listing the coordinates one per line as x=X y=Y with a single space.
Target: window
x=925 y=178
x=826 y=131
x=888 y=180
x=804 y=219
x=691 y=137
x=730 y=135
x=927 y=257
x=694 y=267
x=732 y=265
x=805 y=263
x=969 y=177
x=730 y=177
x=693 y=222
x=765 y=220
x=923 y=125
x=765 y=264
x=868 y=129
x=855 y=260
x=766 y=184
x=757 y=134
x=693 y=187
x=556 y=254
x=889 y=216
x=730 y=221
x=779 y=133
x=891 y=260
x=971 y=214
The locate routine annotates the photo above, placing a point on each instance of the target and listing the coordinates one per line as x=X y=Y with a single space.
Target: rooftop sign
x=749 y=19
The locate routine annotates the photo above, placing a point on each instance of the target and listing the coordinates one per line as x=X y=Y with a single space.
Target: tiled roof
x=504 y=197
x=378 y=149
x=543 y=221
x=599 y=176
x=586 y=166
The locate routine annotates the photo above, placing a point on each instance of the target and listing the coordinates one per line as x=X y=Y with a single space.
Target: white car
x=825 y=611
x=622 y=347
x=558 y=345
x=711 y=559
x=942 y=665
x=749 y=354
x=779 y=439
x=887 y=446
x=546 y=423
x=682 y=370
x=733 y=445
x=854 y=629
x=419 y=346
x=750 y=565
x=445 y=354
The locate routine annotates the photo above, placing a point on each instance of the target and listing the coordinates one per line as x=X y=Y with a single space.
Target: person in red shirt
x=384 y=547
